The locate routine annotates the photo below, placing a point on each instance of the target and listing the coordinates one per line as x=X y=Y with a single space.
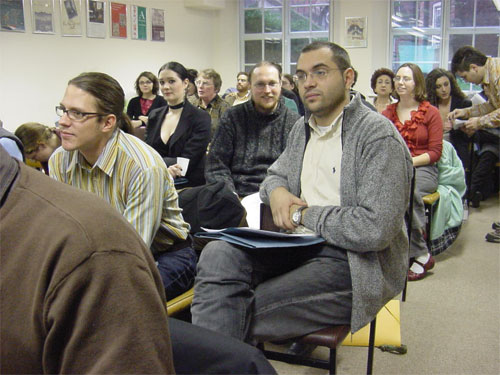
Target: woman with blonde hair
x=39 y=141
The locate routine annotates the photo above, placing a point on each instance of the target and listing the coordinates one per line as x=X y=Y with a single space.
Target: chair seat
x=330 y=337
x=430 y=199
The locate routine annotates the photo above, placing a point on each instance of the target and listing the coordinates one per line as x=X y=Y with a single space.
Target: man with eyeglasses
x=341 y=167
x=98 y=156
x=208 y=84
x=252 y=135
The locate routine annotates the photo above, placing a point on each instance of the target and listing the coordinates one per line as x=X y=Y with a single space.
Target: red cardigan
x=423 y=133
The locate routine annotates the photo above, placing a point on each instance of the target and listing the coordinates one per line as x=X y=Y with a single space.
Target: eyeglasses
x=405 y=79
x=203 y=83
x=317 y=75
x=145 y=83
x=75 y=115
x=262 y=85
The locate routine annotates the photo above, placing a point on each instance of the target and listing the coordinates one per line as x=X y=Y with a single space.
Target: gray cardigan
x=369 y=224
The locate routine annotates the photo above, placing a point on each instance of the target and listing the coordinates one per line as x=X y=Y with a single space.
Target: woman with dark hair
x=287 y=82
x=420 y=125
x=382 y=83
x=147 y=99
x=191 y=90
x=444 y=93
x=179 y=130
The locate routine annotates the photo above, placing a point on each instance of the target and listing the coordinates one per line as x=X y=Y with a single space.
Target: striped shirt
x=133 y=178
x=489 y=112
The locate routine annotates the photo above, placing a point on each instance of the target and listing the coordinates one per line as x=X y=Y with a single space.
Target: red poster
x=118 y=20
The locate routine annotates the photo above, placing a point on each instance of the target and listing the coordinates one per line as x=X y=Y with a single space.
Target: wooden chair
x=180 y=303
x=430 y=203
x=330 y=337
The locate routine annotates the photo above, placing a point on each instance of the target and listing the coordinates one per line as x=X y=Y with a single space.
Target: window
x=428 y=32
x=277 y=30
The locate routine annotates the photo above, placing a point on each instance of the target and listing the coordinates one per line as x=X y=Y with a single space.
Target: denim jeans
x=177 y=270
x=258 y=295
x=426 y=182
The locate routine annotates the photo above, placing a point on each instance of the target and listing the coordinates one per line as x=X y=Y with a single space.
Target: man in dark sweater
x=251 y=136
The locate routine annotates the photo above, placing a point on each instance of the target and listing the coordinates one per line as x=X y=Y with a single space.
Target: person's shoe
x=496 y=225
x=300 y=349
x=476 y=198
x=413 y=276
x=494 y=236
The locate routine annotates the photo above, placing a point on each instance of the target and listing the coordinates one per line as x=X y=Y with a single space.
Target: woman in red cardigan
x=420 y=125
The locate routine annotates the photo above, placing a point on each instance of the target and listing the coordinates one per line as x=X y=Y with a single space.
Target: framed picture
x=118 y=20
x=71 y=18
x=42 y=15
x=138 y=24
x=12 y=15
x=158 y=25
x=96 y=20
x=356 y=32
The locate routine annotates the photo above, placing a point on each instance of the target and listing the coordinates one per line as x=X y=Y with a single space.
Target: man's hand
x=175 y=170
x=144 y=119
x=281 y=201
x=471 y=126
x=457 y=113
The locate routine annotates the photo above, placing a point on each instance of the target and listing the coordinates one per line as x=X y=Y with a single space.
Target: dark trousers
x=177 y=270
x=483 y=173
x=200 y=351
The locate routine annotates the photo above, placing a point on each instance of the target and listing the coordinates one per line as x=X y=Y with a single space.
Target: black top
x=134 y=106
x=189 y=140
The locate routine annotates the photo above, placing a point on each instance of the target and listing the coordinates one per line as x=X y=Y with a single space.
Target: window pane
x=272 y=20
x=252 y=3
x=320 y=2
x=487 y=14
x=487 y=44
x=253 y=51
x=429 y=14
x=299 y=19
x=272 y=50
x=405 y=13
x=292 y=69
x=273 y=3
x=320 y=17
x=296 y=46
x=457 y=41
x=248 y=68
x=322 y=39
x=253 y=21
x=461 y=13
x=299 y=2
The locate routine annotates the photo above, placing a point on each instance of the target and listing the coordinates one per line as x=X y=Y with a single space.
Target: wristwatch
x=297 y=215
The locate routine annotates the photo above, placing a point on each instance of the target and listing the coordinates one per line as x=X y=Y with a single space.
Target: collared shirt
x=234 y=99
x=489 y=112
x=215 y=109
x=132 y=177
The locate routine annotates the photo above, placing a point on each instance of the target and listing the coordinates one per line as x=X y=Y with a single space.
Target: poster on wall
x=355 y=33
x=138 y=25
x=12 y=15
x=158 y=25
x=71 y=18
x=96 y=27
x=118 y=20
x=42 y=16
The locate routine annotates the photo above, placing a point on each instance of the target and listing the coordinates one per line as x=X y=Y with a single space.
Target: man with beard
x=243 y=90
x=340 y=165
x=251 y=136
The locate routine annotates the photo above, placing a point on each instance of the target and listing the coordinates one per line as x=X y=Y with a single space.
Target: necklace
x=177 y=106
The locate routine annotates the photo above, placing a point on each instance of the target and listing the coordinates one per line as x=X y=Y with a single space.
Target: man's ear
x=348 y=78
x=109 y=123
x=473 y=67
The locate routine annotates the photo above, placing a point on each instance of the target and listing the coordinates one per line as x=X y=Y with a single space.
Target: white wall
x=35 y=68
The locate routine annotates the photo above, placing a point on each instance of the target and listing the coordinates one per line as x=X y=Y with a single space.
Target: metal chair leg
x=371 y=347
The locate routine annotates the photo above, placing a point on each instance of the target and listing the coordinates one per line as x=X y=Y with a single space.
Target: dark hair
x=32 y=133
x=295 y=89
x=108 y=95
x=152 y=78
x=177 y=68
x=430 y=82
x=339 y=55
x=418 y=77
x=264 y=63
x=381 y=72
x=242 y=74
x=464 y=57
x=214 y=76
x=192 y=74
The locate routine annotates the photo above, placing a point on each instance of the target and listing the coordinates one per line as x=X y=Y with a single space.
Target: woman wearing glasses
x=39 y=142
x=179 y=130
x=139 y=108
x=420 y=125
